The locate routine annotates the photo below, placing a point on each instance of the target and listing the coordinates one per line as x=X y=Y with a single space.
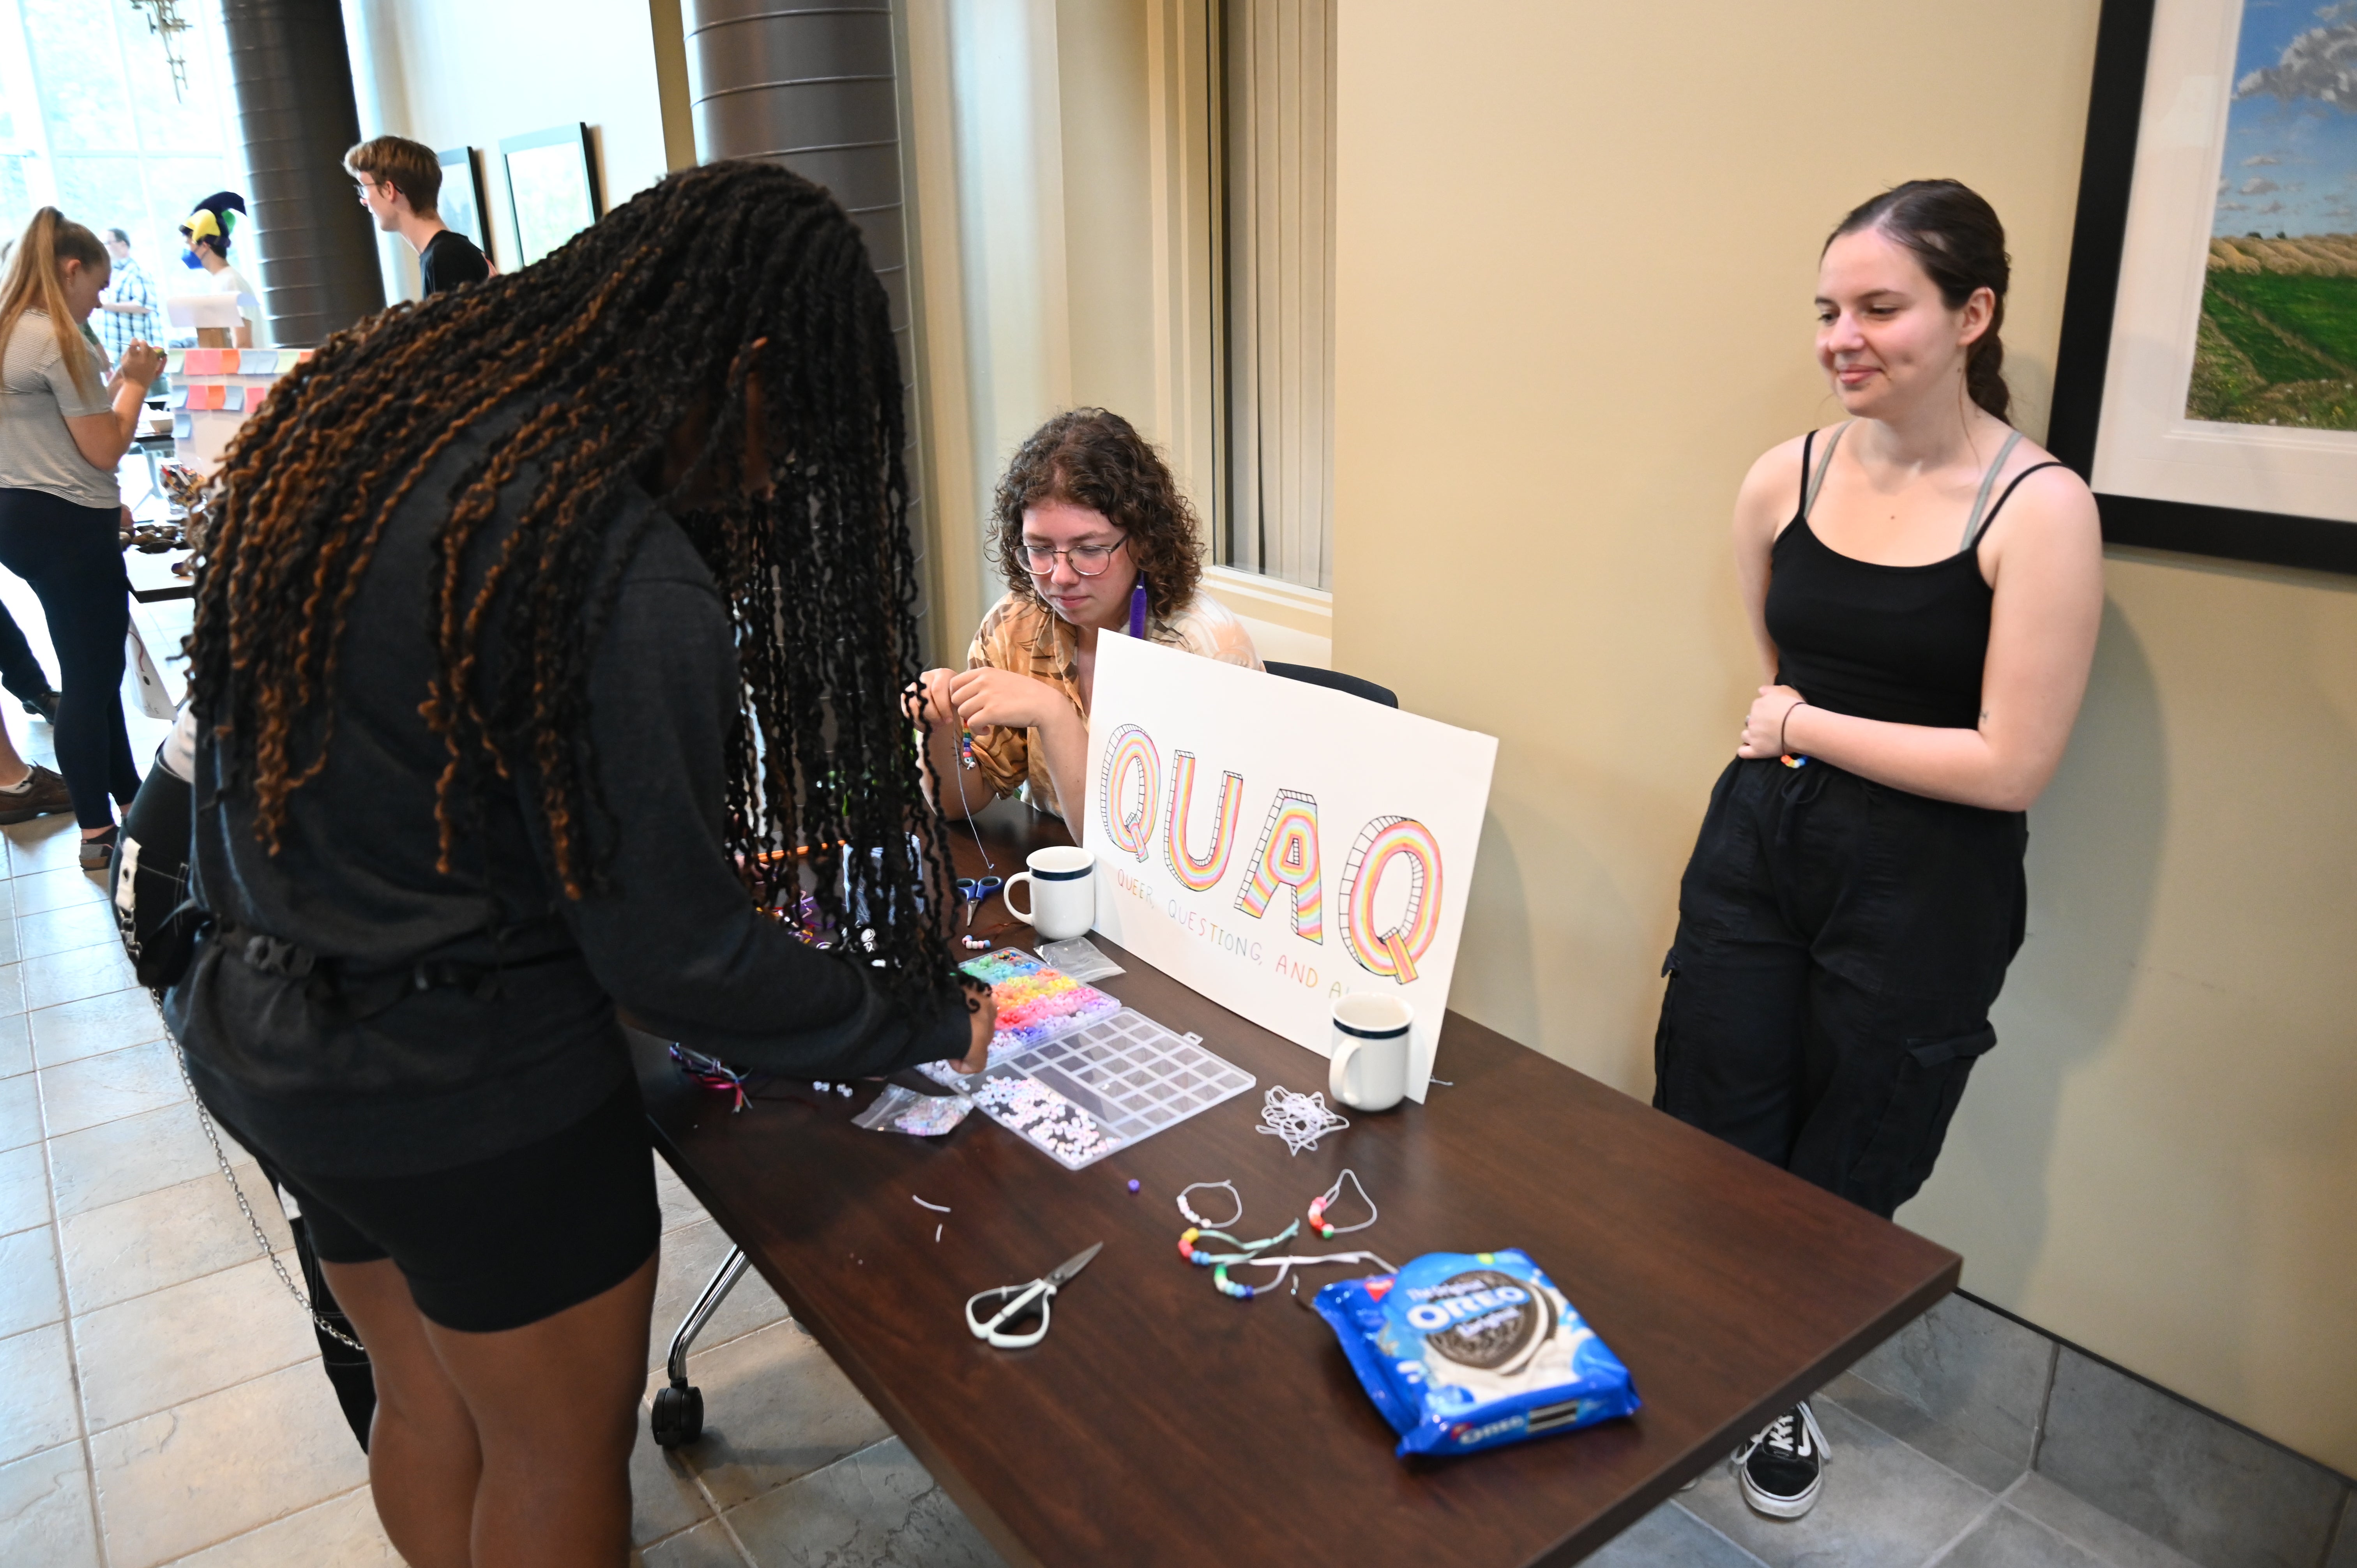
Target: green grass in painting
x=2276 y=348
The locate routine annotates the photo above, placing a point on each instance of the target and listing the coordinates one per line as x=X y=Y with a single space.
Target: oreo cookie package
x=1462 y=1351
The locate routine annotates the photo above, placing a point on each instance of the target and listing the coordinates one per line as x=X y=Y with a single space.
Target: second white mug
x=1064 y=892
x=1369 y=1066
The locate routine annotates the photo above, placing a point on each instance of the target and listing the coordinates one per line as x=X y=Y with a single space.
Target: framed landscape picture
x=2207 y=382
x=551 y=187
x=462 y=196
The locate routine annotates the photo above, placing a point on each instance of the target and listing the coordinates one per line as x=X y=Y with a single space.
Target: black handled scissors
x=1022 y=1297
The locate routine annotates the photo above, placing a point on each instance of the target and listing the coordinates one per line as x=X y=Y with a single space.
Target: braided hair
x=647 y=323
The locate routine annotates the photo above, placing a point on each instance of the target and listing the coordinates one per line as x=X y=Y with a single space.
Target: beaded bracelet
x=1317 y=1207
x=1194 y=1218
x=1201 y=1258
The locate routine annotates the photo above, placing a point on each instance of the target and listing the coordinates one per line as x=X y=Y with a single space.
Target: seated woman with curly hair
x=1092 y=536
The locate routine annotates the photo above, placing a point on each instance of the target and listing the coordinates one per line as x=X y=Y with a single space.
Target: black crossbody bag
x=159 y=921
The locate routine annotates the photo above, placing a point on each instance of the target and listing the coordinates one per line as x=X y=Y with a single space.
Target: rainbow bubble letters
x=1130 y=755
x=1201 y=875
x=1287 y=857
x=1391 y=953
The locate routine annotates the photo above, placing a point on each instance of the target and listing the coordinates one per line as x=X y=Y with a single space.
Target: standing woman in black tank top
x=1924 y=586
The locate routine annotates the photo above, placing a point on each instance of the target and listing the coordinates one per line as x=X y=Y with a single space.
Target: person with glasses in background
x=400 y=183
x=1092 y=536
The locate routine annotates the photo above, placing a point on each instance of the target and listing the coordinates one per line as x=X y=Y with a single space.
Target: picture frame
x=551 y=187
x=464 y=201
x=2208 y=392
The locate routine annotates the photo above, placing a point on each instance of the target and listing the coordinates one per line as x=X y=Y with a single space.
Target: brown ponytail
x=35 y=281
x=1957 y=238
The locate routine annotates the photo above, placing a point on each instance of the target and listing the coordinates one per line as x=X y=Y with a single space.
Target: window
x=91 y=123
x=1276 y=84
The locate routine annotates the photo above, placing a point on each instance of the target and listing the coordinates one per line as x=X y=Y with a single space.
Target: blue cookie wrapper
x=1463 y=1351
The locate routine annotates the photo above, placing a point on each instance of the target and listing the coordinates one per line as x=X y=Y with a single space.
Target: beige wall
x=468 y=72
x=1576 y=253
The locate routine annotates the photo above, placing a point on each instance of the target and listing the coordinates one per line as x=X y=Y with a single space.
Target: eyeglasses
x=1088 y=559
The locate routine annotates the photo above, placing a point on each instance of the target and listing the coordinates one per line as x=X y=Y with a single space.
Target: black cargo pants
x=1839 y=945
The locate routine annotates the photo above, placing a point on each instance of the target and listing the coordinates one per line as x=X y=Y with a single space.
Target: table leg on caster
x=679 y=1409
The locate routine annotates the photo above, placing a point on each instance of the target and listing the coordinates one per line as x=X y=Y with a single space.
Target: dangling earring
x=1137 y=608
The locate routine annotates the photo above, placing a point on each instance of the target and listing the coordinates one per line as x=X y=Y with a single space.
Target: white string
x=936 y=1208
x=1326 y=1203
x=1194 y=1218
x=1285 y=1266
x=1299 y=1119
x=967 y=808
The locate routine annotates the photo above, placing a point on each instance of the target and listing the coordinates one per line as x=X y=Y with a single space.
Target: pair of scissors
x=976 y=891
x=1024 y=1296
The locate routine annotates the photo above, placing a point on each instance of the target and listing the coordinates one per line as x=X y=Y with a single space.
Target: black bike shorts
x=509 y=1240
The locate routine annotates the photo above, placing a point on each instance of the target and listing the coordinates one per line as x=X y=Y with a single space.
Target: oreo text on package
x=1465 y=1352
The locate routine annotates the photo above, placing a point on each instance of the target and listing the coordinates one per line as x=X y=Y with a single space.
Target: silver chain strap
x=259 y=1239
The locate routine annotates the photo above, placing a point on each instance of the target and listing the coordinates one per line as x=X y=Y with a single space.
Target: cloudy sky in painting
x=2292 y=134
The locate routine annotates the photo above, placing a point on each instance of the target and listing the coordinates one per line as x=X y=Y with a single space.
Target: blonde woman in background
x=63 y=428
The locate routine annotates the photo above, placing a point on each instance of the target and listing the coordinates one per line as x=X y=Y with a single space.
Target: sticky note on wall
x=184 y=428
x=233 y=399
x=177 y=398
x=175 y=360
x=257 y=361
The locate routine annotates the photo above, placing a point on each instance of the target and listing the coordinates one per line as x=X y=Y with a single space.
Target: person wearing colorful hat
x=208 y=232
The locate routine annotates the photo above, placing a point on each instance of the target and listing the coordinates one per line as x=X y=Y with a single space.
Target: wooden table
x=1161 y=1422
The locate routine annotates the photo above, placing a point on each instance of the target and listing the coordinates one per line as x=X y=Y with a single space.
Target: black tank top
x=1903 y=644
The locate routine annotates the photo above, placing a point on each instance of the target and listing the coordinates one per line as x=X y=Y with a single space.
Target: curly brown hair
x=1094 y=458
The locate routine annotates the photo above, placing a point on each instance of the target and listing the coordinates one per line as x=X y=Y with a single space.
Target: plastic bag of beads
x=1463 y=1351
x=899 y=1110
x=1080 y=958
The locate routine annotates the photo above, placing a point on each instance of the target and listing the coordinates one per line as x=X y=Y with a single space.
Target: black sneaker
x=1783 y=1467
x=44 y=706
x=44 y=793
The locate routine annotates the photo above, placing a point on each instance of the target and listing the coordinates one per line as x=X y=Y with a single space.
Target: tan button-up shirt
x=1030 y=638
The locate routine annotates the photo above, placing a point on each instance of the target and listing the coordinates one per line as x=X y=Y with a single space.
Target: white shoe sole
x=1779 y=1508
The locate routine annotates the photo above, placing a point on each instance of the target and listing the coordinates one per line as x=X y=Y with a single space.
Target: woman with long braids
x=1924 y=586
x=539 y=627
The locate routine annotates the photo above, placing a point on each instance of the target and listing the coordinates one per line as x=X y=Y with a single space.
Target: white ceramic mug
x=1064 y=892
x=1369 y=1069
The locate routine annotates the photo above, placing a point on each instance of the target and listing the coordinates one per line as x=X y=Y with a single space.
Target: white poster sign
x=1274 y=845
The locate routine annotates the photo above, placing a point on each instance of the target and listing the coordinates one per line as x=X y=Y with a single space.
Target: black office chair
x=1335 y=681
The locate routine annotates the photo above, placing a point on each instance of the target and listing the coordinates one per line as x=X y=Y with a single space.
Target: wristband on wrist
x=1785 y=724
